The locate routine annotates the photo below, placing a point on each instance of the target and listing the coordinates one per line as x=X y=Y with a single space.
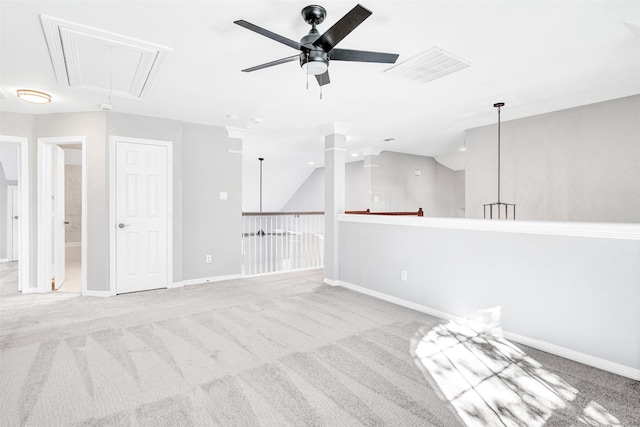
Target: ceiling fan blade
x=362 y=56
x=344 y=26
x=269 y=34
x=272 y=63
x=323 y=79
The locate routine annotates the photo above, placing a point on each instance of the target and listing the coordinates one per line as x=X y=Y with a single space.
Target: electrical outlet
x=403 y=275
x=208 y=259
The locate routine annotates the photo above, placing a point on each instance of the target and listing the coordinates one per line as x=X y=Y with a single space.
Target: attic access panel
x=100 y=61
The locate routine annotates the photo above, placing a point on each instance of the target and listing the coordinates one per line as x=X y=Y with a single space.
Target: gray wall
x=3 y=213
x=133 y=126
x=439 y=191
x=209 y=164
x=73 y=203
x=92 y=126
x=211 y=226
x=577 y=292
x=310 y=196
x=579 y=164
x=398 y=188
x=22 y=125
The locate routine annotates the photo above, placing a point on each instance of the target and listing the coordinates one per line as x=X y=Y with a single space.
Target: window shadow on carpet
x=487 y=381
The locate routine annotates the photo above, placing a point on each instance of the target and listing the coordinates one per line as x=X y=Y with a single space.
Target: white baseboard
x=175 y=285
x=331 y=282
x=567 y=353
x=204 y=280
x=101 y=294
x=73 y=244
x=587 y=359
x=4 y=260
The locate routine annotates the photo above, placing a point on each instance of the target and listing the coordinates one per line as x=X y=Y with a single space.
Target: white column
x=371 y=159
x=334 y=161
x=236 y=135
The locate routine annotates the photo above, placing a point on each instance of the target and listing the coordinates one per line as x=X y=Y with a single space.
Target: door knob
x=15 y=217
x=121 y=225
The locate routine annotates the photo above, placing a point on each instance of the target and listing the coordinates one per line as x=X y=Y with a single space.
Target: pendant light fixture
x=498 y=206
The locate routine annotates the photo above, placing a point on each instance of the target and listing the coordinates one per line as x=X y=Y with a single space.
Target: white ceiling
x=536 y=56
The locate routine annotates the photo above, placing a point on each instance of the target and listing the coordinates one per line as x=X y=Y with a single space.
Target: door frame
x=45 y=229
x=113 y=140
x=23 y=184
x=11 y=237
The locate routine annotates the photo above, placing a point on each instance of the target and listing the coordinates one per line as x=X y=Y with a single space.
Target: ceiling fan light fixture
x=33 y=96
x=316 y=67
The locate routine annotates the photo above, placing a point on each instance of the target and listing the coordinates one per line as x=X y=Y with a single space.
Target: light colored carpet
x=274 y=350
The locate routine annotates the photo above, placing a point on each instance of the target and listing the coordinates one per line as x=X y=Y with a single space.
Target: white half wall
x=568 y=286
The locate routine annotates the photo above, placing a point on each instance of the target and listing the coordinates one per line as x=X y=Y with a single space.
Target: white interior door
x=142 y=222
x=14 y=218
x=59 y=218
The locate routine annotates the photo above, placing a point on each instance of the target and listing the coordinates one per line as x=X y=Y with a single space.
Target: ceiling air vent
x=429 y=65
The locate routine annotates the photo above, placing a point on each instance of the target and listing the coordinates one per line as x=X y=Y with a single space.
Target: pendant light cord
x=498 y=155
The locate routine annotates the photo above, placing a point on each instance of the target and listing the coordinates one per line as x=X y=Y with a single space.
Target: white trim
x=100 y=294
x=62 y=39
x=567 y=353
x=235 y=151
x=335 y=128
x=625 y=231
x=372 y=151
x=113 y=139
x=332 y=282
x=10 y=208
x=84 y=218
x=23 y=183
x=44 y=225
x=236 y=133
x=4 y=259
x=205 y=280
x=73 y=244
x=335 y=149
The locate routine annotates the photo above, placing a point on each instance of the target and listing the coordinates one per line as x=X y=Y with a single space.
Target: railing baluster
x=290 y=242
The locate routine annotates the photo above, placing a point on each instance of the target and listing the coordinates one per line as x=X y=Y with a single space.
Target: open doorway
x=62 y=214
x=14 y=214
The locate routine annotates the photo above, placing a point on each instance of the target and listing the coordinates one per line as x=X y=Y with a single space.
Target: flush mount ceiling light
x=34 y=96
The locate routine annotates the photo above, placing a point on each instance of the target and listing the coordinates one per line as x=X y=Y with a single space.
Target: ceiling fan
x=316 y=50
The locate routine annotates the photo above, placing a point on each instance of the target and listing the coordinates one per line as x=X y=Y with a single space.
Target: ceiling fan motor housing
x=315 y=54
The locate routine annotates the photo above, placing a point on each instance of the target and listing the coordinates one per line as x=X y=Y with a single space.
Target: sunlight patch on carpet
x=489 y=381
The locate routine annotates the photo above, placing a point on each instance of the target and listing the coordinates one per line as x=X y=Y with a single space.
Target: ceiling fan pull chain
x=307 y=70
x=321 y=88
